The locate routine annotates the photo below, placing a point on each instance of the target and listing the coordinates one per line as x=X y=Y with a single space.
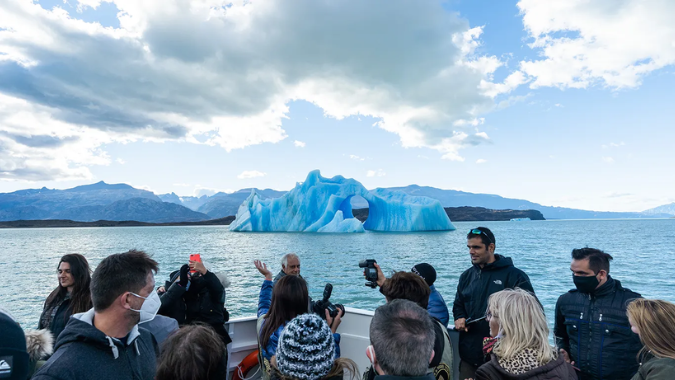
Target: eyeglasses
x=489 y=316
x=476 y=231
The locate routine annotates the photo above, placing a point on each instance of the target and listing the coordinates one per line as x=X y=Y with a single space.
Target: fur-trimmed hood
x=39 y=344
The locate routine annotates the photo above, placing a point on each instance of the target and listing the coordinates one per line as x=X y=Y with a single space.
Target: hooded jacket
x=437 y=307
x=557 y=369
x=474 y=288
x=84 y=352
x=594 y=330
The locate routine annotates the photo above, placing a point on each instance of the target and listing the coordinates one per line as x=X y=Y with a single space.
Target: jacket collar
x=500 y=262
x=88 y=318
x=607 y=287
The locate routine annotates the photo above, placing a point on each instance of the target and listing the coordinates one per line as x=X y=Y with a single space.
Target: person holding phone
x=195 y=294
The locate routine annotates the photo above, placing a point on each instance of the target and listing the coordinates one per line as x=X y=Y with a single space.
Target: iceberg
x=324 y=205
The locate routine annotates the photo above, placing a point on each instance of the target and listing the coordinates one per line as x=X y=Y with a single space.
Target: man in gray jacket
x=106 y=342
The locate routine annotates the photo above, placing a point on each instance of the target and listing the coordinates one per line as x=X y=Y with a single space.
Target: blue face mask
x=149 y=308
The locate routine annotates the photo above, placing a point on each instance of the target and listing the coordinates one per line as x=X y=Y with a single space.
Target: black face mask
x=586 y=284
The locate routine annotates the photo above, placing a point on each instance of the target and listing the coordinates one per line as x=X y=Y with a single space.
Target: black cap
x=13 y=355
x=426 y=271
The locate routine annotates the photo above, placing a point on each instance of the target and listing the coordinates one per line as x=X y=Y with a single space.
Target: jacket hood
x=81 y=328
x=39 y=343
x=500 y=262
x=224 y=280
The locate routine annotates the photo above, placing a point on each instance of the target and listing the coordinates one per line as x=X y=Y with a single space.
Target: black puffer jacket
x=594 y=330
x=202 y=302
x=557 y=369
x=475 y=285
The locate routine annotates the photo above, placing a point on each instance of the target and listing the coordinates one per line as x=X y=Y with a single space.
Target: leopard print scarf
x=522 y=362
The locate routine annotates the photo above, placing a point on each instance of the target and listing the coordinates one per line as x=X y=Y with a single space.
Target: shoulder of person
x=658 y=368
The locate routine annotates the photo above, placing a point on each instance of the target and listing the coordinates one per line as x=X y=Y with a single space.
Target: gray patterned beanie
x=306 y=348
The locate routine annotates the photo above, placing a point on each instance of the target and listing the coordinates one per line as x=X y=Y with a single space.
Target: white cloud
x=251 y=174
x=613 y=145
x=209 y=191
x=181 y=185
x=617 y=195
x=208 y=74
x=121 y=161
x=299 y=144
x=608 y=160
x=481 y=161
x=34 y=145
x=356 y=158
x=375 y=173
x=613 y=43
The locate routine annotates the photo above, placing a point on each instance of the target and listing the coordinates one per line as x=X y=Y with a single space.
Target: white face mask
x=149 y=308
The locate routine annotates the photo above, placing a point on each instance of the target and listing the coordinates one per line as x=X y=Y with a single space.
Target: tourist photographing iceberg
x=324 y=205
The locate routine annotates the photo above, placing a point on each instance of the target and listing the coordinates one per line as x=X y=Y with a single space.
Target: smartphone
x=195 y=257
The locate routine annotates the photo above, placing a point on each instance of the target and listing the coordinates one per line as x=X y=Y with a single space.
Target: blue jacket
x=437 y=307
x=264 y=303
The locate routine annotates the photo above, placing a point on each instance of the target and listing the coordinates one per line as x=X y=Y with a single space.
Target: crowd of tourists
x=115 y=323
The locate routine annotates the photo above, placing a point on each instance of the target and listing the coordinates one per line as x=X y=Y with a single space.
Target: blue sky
x=565 y=103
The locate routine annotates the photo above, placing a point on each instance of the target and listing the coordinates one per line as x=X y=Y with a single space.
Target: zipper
x=581 y=316
x=600 y=319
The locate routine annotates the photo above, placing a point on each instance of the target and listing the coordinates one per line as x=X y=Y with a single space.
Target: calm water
x=642 y=250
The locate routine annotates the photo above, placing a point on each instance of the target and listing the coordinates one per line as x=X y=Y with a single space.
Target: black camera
x=370 y=272
x=325 y=304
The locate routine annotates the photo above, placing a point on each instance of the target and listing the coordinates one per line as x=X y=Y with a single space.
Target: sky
x=561 y=102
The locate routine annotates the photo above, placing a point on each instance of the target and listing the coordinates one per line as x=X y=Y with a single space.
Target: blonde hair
x=522 y=323
x=655 y=319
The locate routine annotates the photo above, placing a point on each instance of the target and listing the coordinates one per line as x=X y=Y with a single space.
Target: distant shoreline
x=456 y=214
x=61 y=223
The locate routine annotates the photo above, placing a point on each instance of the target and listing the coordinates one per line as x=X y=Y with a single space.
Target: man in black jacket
x=591 y=326
x=489 y=274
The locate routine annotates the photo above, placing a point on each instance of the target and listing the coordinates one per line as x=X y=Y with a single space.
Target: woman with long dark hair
x=70 y=297
x=277 y=305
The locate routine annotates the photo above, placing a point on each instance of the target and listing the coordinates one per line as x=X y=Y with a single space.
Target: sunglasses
x=476 y=231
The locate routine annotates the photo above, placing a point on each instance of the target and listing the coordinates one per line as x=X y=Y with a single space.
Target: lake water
x=642 y=250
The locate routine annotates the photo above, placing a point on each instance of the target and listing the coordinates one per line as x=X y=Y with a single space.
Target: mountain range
x=121 y=202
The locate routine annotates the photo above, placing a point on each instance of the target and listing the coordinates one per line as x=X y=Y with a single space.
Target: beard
x=134 y=318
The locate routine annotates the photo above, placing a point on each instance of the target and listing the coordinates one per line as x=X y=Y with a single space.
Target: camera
x=370 y=272
x=325 y=304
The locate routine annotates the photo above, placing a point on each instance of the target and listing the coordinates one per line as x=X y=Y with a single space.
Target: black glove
x=184 y=275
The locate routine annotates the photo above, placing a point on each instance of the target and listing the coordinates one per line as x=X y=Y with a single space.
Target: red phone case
x=195 y=257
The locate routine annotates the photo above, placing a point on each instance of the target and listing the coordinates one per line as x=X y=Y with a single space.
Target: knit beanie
x=426 y=271
x=13 y=356
x=306 y=348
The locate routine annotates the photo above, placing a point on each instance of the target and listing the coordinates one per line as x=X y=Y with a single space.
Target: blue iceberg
x=324 y=205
